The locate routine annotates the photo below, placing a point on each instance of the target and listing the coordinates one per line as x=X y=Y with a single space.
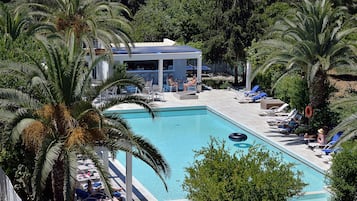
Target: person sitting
x=320 y=137
x=192 y=82
x=172 y=83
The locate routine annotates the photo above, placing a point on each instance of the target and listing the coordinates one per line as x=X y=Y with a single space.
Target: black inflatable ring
x=238 y=137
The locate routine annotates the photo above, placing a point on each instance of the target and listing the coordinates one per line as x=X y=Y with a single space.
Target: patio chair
x=157 y=94
x=148 y=86
x=131 y=89
x=328 y=151
x=276 y=121
x=171 y=85
x=326 y=148
x=276 y=111
x=254 y=91
x=254 y=99
x=112 y=92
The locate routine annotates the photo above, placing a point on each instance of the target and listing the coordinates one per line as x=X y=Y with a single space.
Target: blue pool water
x=177 y=132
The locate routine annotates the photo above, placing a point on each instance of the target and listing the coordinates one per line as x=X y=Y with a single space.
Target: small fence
x=7 y=192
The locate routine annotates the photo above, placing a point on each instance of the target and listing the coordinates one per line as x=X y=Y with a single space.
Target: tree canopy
x=257 y=175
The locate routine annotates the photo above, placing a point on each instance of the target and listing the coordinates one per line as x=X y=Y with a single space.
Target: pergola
x=160 y=51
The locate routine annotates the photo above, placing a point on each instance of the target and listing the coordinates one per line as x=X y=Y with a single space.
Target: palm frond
x=70 y=159
x=130 y=99
x=125 y=140
x=20 y=98
x=44 y=163
x=148 y=153
x=104 y=175
x=19 y=128
x=349 y=128
x=6 y=116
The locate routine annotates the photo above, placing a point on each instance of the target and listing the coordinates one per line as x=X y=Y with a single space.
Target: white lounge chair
x=276 y=121
x=157 y=94
x=276 y=111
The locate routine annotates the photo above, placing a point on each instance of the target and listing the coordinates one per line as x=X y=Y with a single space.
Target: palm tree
x=12 y=24
x=348 y=125
x=57 y=120
x=311 y=41
x=83 y=23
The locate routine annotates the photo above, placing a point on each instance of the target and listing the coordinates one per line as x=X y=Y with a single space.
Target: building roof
x=156 y=50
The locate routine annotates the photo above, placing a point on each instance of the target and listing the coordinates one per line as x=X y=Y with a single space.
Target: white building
x=154 y=61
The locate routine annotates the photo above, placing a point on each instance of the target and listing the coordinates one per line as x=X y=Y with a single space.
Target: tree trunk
x=235 y=75
x=319 y=90
x=58 y=180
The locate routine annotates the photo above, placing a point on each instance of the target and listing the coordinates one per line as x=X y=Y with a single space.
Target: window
x=148 y=65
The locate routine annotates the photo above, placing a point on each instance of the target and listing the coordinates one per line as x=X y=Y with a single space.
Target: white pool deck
x=246 y=114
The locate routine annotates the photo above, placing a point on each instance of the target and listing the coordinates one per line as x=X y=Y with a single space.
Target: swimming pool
x=178 y=131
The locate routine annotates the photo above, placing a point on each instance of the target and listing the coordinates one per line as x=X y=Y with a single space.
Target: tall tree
x=88 y=21
x=56 y=120
x=133 y=5
x=312 y=40
x=225 y=28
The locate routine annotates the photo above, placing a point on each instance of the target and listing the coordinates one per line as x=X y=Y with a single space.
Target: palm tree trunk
x=58 y=180
x=319 y=90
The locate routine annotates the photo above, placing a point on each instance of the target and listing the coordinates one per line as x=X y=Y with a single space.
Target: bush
x=343 y=174
x=217 y=83
x=293 y=90
x=258 y=175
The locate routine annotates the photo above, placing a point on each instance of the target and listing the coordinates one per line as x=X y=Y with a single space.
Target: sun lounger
x=253 y=99
x=276 y=121
x=186 y=95
x=289 y=127
x=252 y=92
x=276 y=111
x=327 y=146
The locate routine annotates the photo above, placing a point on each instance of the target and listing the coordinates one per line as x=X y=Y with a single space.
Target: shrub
x=293 y=90
x=343 y=174
x=216 y=83
x=258 y=175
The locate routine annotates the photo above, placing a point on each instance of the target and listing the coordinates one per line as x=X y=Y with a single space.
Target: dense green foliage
x=310 y=41
x=292 y=89
x=225 y=28
x=257 y=175
x=343 y=173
